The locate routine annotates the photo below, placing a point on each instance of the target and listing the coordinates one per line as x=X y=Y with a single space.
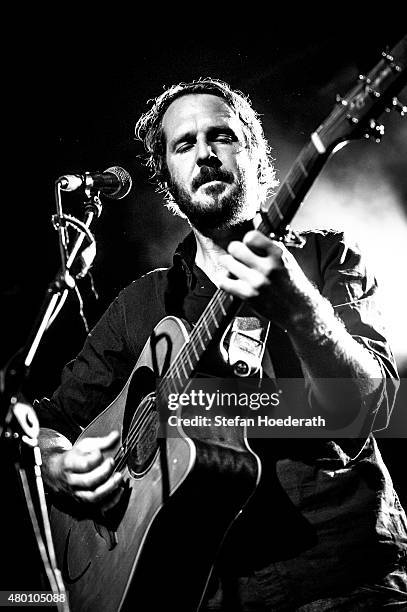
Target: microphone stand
x=18 y=421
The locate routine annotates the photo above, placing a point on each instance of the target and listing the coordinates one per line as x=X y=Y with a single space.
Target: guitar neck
x=214 y=320
x=293 y=190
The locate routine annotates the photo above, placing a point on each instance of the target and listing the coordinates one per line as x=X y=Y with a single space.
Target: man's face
x=211 y=175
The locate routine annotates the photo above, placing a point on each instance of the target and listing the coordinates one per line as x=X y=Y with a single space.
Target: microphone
x=114 y=183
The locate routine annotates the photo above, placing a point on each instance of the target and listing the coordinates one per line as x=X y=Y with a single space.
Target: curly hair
x=149 y=130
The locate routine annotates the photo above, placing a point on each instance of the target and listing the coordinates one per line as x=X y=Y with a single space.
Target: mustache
x=211 y=174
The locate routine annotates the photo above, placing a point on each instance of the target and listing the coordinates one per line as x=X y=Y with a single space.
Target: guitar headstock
x=355 y=114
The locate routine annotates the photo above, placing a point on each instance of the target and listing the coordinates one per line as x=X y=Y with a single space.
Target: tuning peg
x=375 y=130
x=373 y=92
x=341 y=100
x=399 y=107
x=390 y=60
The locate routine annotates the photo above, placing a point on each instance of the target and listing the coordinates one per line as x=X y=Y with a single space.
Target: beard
x=219 y=208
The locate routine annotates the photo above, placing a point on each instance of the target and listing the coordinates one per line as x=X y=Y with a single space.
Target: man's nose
x=206 y=156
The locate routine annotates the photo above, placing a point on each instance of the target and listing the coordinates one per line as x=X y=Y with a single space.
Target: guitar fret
x=221 y=305
x=213 y=317
x=303 y=169
x=205 y=323
x=192 y=344
x=175 y=370
x=290 y=189
x=200 y=338
x=184 y=369
x=171 y=383
x=178 y=374
x=189 y=360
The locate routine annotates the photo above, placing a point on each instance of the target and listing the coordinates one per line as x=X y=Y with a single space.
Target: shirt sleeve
x=351 y=287
x=93 y=379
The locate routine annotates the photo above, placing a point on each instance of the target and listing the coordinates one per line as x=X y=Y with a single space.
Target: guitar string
x=297 y=172
x=214 y=306
x=138 y=425
x=126 y=448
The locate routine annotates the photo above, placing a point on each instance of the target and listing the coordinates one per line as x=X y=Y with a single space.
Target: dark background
x=78 y=97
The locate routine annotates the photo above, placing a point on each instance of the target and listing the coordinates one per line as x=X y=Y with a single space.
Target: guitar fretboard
x=220 y=310
x=293 y=190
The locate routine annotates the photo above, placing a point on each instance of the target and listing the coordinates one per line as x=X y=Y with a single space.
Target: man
x=209 y=156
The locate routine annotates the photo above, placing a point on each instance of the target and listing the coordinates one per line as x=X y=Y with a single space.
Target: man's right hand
x=84 y=472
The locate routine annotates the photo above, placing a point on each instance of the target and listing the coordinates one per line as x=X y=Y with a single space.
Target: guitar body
x=156 y=548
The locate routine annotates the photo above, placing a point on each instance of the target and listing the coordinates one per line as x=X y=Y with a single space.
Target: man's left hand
x=266 y=274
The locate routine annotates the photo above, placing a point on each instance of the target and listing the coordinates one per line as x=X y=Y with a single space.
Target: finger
x=239 y=288
x=91 y=480
x=88 y=445
x=242 y=253
x=77 y=461
x=87 y=453
x=101 y=492
x=258 y=241
x=242 y=272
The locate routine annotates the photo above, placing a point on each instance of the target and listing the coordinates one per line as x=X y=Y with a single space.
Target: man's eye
x=223 y=138
x=186 y=146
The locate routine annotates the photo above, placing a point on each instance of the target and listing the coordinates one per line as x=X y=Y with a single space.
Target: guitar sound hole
x=143 y=438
